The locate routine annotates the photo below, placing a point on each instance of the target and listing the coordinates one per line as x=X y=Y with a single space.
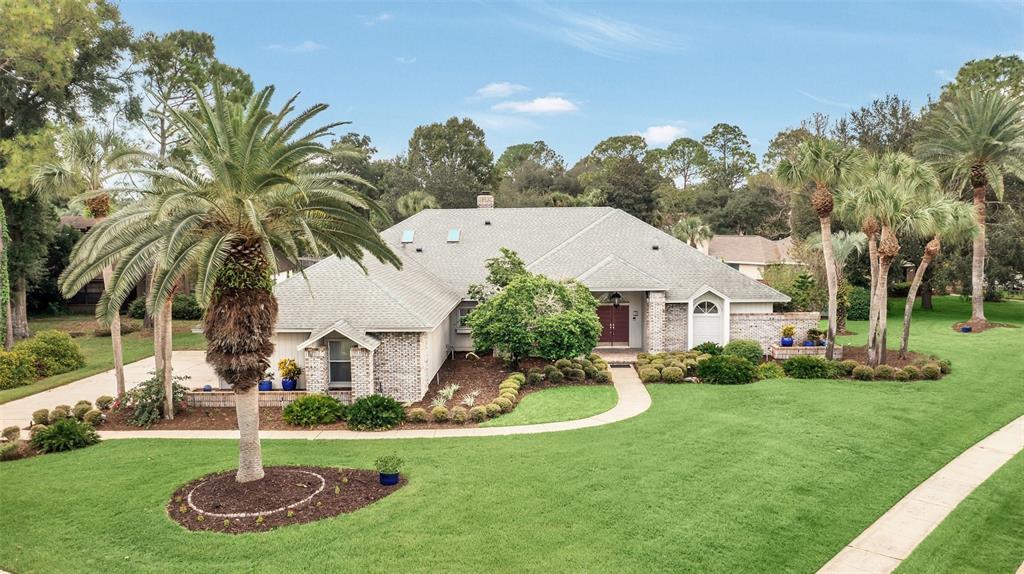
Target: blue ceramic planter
x=787 y=341
x=288 y=384
x=965 y=329
x=266 y=385
x=207 y=388
x=389 y=479
x=822 y=343
x=808 y=343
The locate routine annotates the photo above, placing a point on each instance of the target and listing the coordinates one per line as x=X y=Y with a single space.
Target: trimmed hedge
x=809 y=368
x=770 y=370
x=375 y=412
x=726 y=370
x=17 y=368
x=55 y=352
x=745 y=349
x=312 y=410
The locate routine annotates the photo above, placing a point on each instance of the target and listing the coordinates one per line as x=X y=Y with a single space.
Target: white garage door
x=707 y=322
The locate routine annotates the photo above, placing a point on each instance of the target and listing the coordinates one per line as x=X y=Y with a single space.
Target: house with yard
x=388 y=331
x=750 y=254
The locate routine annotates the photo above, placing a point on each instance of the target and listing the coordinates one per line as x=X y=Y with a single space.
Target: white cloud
x=546 y=105
x=406 y=59
x=379 y=18
x=825 y=101
x=662 y=135
x=303 y=48
x=603 y=36
x=499 y=90
x=504 y=122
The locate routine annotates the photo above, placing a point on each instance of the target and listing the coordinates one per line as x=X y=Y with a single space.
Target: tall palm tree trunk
x=978 y=261
x=871 y=230
x=250 y=453
x=888 y=248
x=115 y=336
x=930 y=251
x=831 y=281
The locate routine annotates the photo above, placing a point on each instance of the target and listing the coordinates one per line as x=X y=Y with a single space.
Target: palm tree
x=888 y=190
x=88 y=161
x=691 y=230
x=953 y=222
x=976 y=137
x=414 y=202
x=257 y=192
x=826 y=164
x=844 y=245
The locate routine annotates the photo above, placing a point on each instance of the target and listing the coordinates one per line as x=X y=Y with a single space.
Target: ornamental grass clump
x=63 y=435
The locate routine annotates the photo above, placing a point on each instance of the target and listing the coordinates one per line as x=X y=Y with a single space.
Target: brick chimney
x=485 y=201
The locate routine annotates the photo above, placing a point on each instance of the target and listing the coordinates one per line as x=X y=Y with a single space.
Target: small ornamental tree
x=536 y=316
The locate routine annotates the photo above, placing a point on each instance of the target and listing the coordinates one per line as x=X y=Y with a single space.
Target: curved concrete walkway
x=886 y=544
x=633 y=400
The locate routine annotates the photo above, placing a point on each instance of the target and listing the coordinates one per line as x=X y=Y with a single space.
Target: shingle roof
x=751 y=249
x=605 y=248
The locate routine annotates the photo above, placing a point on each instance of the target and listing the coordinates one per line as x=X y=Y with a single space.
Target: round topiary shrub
x=641 y=362
x=32 y=430
x=708 y=348
x=493 y=409
x=11 y=433
x=504 y=403
x=555 y=377
x=643 y=356
x=459 y=415
x=931 y=371
x=41 y=417
x=863 y=373
x=55 y=352
x=672 y=375
x=508 y=395
x=884 y=373
x=589 y=372
x=745 y=349
x=60 y=412
x=548 y=369
x=803 y=367
x=80 y=408
x=94 y=417
x=103 y=402
x=439 y=414
x=900 y=375
x=534 y=378
x=508 y=384
x=770 y=370
x=945 y=366
x=478 y=413
x=65 y=434
x=846 y=367
x=375 y=412
x=517 y=377
x=416 y=415
x=563 y=364
x=603 y=377
x=577 y=374
x=912 y=372
x=649 y=375
x=312 y=410
x=726 y=370
x=137 y=308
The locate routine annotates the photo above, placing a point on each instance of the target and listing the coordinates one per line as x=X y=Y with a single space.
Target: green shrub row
x=375 y=412
x=315 y=409
x=46 y=354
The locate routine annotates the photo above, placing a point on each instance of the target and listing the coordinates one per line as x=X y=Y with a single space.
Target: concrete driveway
x=19 y=412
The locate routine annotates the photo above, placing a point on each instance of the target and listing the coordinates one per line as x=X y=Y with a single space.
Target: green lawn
x=772 y=477
x=984 y=534
x=558 y=404
x=99 y=356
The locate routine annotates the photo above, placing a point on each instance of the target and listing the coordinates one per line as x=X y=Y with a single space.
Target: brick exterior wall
x=315 y=369
x=782 y=353
x=398 y=366
x=675 y=327
x=654 y=322
x=362 y=372
x=278 y=399
x=766 y=328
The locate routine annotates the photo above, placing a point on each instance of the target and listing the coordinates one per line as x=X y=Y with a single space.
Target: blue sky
x=575 y=73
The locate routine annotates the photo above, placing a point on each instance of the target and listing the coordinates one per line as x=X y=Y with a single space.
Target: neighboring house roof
x=604 y=248
x=752 y=249
x=79 y=222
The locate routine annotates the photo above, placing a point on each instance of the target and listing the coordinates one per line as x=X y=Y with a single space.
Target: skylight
x=407 y=235
x=454 y=235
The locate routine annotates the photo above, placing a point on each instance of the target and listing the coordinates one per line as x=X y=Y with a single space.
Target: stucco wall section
x=398 y=365
x=675 y=327
x=766 y=328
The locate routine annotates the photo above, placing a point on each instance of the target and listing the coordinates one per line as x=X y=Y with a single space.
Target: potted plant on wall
x=267 y=382
x=290 y=371
x=787 y=335
x=388 y=466
x=814 y=338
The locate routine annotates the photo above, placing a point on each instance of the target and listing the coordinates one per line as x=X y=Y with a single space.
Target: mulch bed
x=979 y=326
x=892 y=358
x=285 y=495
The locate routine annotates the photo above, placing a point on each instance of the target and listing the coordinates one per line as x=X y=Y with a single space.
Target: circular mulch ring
x=979 y=326
x=286 y=495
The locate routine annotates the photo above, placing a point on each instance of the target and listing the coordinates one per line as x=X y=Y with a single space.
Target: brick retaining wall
x=279 y=399
x=766 y=328
x=781 y=353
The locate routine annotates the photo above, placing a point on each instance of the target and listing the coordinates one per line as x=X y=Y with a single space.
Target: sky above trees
x=573 y=74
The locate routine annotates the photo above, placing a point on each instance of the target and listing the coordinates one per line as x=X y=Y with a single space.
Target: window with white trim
x=705 y=308
x=340 y=362
x=464 y=315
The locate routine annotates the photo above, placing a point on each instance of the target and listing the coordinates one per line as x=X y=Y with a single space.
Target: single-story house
x=389 y=331
x=750 y=254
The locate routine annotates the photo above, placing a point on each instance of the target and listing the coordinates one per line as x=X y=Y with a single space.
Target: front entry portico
x=614 y=325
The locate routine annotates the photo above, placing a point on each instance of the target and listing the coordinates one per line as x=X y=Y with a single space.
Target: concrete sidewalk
x=633 y=400
x=885 y=544
x=19 y=412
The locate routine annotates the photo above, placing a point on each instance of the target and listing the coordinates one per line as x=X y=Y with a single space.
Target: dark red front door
x=614 y=324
